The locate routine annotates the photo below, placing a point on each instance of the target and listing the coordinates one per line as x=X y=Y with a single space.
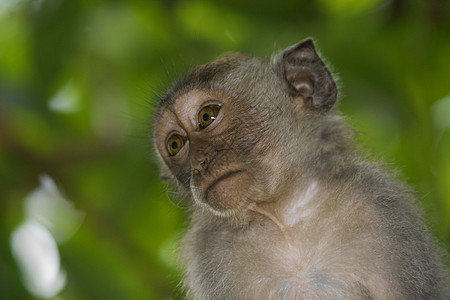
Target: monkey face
x=229 y=132
x=212 y=149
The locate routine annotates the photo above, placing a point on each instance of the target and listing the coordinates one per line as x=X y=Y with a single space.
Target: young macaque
x=283 y=203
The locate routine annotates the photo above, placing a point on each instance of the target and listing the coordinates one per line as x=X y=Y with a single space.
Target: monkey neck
x=257 y=209
x=291 y=208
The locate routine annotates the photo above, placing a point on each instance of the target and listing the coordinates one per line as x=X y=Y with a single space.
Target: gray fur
x=360 y=237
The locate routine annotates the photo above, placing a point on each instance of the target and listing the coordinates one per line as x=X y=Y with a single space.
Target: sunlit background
x=83 y=214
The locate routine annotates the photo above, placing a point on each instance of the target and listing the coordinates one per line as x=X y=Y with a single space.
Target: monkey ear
x=311 y=86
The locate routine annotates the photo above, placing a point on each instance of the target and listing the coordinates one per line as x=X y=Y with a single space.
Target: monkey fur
x=284 y=205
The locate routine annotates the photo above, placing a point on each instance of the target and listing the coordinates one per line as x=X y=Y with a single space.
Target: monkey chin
x=225 y=196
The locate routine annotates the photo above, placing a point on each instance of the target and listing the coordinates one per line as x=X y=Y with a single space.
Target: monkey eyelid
x=181 y=153
x=176 y=132
x=216 y=119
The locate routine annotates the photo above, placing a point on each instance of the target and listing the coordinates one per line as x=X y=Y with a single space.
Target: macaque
x=283 y=203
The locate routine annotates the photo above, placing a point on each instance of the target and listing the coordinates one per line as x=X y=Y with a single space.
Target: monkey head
x=221 y=130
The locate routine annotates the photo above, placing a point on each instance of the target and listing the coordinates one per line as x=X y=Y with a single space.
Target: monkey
x=283 y=203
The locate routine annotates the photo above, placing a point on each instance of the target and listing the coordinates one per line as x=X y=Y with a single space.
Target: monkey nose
x=201 y=165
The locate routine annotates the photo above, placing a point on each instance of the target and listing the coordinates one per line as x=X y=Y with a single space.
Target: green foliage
x=77 y=83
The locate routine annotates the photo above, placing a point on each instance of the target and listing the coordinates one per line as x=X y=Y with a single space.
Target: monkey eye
x=174 y=144
x=207 y=115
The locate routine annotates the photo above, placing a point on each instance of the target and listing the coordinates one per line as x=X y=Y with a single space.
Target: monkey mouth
x=225 y=193
x=221 y=178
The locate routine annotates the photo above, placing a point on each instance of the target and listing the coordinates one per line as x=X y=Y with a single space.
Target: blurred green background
x=77 y=83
